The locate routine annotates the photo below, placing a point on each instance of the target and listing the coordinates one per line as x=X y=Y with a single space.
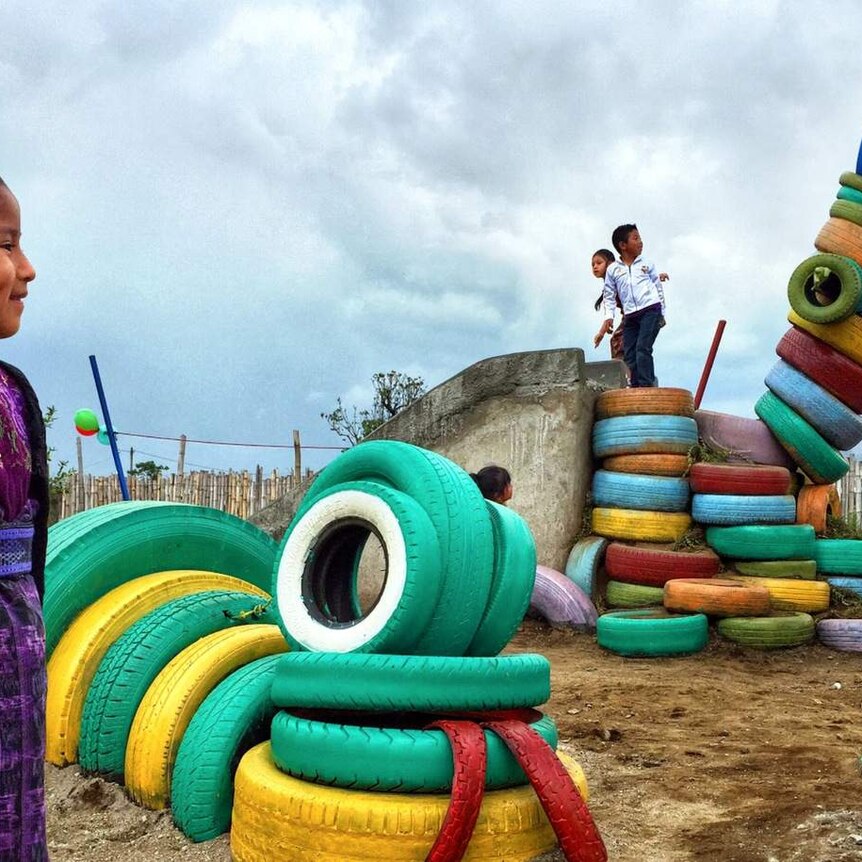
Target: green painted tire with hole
x=848 y=300
x=773 y=632
x=652 y=632
x=623 y=595
x=753 y=542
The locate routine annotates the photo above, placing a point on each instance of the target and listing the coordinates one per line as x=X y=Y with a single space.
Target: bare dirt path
x=730 y=755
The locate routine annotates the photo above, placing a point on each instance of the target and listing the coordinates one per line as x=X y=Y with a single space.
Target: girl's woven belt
x=16 y=544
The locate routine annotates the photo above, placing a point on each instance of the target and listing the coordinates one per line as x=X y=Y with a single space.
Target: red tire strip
x=567 y=812
x=654 y=567
x=739 y=479
x=469 y=757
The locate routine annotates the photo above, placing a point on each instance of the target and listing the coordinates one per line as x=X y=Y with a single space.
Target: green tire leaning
x=847 y=210
x=844 y=282
x=822 y=463
x=514 y=575
x=754 y=542
x=621 y=595
x=802 y=569
x=846 y=193
x=458 y=512
x=851 y=180
x=136 y=658
x=316 y=575
x=772 y=632
x=385 y=683
x=838 y=556
x=385 y=758
x=652 y=632
x=126 y=540
x=234 y=717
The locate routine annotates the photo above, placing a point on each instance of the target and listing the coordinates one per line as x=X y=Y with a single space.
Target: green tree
x=393 y=391
x=58 y=483
x=148 y=470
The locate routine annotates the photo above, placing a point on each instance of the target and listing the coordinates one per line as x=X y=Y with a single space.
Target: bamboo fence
x=850 y=491
x=242 y=493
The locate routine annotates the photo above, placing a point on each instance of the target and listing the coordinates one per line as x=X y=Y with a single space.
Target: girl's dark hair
x=492 y=481
x=608 y=255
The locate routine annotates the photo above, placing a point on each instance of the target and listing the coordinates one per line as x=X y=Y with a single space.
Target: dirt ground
x=732 y=755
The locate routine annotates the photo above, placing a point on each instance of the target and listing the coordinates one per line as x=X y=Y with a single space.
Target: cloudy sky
x=244 y=210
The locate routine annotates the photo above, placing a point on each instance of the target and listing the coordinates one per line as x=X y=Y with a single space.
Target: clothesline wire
x=230 y=443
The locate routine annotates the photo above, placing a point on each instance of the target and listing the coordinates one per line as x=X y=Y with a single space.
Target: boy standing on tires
x=638 y=287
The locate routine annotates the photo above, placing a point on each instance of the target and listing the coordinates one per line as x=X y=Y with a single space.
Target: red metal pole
x=710 y=359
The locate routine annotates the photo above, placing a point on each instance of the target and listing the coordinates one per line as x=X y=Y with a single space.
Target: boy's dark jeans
x=639 y=334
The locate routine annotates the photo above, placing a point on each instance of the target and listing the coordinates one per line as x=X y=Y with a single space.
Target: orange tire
x=815 y=503
x=716 y=597
x=839 y=236
x=653 y=465
x=655 y=401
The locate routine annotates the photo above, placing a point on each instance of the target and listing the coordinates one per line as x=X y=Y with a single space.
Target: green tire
x=621 y=595
x=845 y=282
x=847 y=210
x=838 y=556
x=822 y=463
x=803 y=569
x=773 y=632
x=383 y=683
x=103 y=548
x=652 y=632
x=379 y=757
x=851 y=180
x=136 y=658
x=235 y=717
x=756 y=542
x=849 y=194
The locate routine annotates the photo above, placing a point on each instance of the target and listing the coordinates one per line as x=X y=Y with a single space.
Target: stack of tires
x=394 y=713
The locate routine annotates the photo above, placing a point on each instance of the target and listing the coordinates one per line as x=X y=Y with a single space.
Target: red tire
x=468 y=785
x=567 y=812
x=754 y=481
x=654 y=566
x=823 y=364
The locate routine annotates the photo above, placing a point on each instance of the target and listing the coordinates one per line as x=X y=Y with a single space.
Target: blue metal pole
x=121 y=476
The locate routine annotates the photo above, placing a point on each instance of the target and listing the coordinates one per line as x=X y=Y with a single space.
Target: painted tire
x=127 y=540
x=235 y=716
x=837 y=424
x=174 y=697
x=562 y=602
x=717 y=597
x=838 y=556
x=652 y=465
x=823 y=364
x=135 y=659
x=822 y=463
x=773 y=632
x=458 y=512
x=750 y=481
x=512 y=581
x=851 y=180
x=643 y=435
x=656 y=401
x=850 y=585
x=790 y=594
x=654 y=567
x=745 y=439
x=845 y=337
x=640 y=526
x=584 y=562
x=845 y=282
x=844 y=635
x=652 y=632
x=783 y=542
x=276 y=816
x=386 y=755
x=621 y=595
x=849 y=194
x=82 y=647
x=735 y=509
x=803 y=569
x=839 y=236
x=634 y=491
x=418 y=683
x=815 y=504
x=848 y=210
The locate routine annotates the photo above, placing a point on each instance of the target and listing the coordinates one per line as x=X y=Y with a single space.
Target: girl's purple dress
x=22 y=646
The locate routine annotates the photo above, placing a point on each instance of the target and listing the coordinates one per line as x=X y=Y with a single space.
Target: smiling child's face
x=16 y=272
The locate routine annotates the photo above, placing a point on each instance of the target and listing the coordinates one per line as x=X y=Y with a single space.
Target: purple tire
x=844 y=635
x=562 y=602
x=749 y=440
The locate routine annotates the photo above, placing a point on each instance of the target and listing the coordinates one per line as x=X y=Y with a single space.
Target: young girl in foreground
x=23 y=537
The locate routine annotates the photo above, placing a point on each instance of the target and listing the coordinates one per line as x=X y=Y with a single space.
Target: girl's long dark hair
x=492 y=481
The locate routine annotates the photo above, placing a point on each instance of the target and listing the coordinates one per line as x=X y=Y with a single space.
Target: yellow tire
x=845 y=336
x=76 y=658
x=276 y=816
x=640 y=526
x=790 y=594
x=174 y=697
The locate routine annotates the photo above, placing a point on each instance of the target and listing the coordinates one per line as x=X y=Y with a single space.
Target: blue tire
x=644 y=435
x=638 y=491
x=582 y=566
x=836 y=423
x=736 y=509
x=851 y=585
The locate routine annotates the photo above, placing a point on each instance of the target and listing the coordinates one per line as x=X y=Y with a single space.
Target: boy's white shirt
x=637 y=285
